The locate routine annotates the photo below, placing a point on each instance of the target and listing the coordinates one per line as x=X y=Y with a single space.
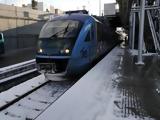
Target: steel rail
x=18 y=69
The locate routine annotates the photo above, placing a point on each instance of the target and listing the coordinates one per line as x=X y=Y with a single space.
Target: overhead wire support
x=155 y=40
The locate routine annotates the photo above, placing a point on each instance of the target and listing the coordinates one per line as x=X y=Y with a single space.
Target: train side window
x=99 y=32
x=92 y=31
x=88 y=38
x=0 y=36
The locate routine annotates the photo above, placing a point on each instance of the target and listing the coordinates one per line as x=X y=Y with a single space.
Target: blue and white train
x=69 y=44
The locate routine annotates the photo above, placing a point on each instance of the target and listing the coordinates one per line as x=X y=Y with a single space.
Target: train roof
x=78 y=17
x=76 y=11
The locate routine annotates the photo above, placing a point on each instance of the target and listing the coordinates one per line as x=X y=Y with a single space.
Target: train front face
x=56 y=41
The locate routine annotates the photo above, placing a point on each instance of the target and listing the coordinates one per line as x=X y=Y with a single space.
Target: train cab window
x=88 y=38
x=60 y=29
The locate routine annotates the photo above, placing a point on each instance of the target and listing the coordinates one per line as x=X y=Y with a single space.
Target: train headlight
x=40 y=50
x=67 y=51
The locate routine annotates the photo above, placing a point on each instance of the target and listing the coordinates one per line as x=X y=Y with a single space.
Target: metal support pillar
x=158 y=2
x=159 y=30
x=130 y=29
x=144 y=46
x=133 y=30
x=141 y=31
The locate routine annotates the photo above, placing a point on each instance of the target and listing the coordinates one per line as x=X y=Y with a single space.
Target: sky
x=91 y=5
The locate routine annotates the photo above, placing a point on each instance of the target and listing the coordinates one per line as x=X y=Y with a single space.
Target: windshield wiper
x=61 y=31
x=66 y=29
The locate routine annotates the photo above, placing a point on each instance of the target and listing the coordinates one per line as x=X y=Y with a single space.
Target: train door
x=99 y=39
x=85 y=50
x=92 y=42
x=89 y=42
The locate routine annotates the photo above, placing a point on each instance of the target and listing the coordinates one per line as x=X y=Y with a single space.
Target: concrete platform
x=17 y=56
x=115 y=89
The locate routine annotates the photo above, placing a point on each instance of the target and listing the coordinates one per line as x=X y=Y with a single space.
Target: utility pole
x=99 y=7
x=83 y=7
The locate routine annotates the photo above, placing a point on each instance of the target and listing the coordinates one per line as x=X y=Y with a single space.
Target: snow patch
x=19 y=90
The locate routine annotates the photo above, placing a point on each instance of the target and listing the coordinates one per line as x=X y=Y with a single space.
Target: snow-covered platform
x=115 y=89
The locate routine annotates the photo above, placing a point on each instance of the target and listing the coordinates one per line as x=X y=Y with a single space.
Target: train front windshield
x=58 y=37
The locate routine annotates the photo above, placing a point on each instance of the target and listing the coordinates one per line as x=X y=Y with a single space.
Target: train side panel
x=91 y=44
x=84 y=50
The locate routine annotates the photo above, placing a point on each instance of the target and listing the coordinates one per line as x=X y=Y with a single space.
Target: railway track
x=15 y=93
x=29 y=99
x=26 y=99
x=18 y=70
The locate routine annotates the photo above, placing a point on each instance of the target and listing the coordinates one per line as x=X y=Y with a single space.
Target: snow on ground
x=92 y=97
x=19 y=90
x=32 y=105
x=97 y=96
x=135 y=52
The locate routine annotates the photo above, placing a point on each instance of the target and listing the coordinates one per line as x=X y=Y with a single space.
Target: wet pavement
x=139 y=87
x=115 y=89
x=17 y=56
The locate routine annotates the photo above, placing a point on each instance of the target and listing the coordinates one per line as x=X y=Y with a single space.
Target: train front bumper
x=52 y=64
x=56 y=76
